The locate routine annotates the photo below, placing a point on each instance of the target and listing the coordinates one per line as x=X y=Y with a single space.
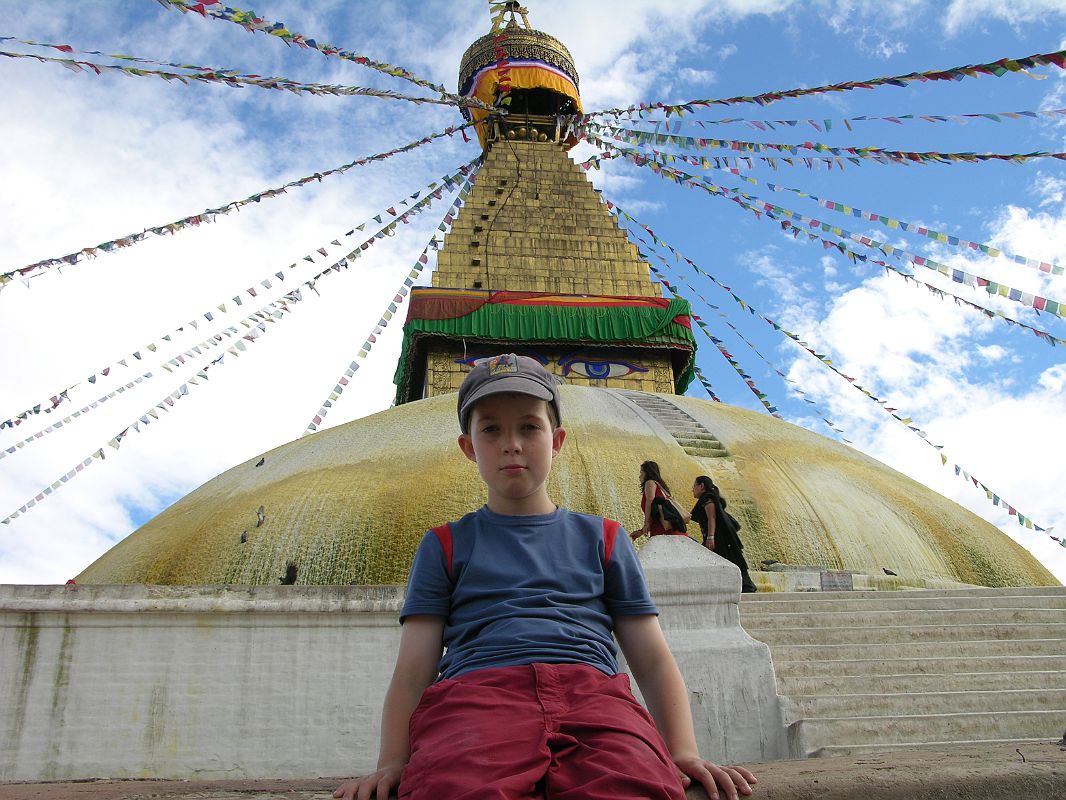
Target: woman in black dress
x=719 y=528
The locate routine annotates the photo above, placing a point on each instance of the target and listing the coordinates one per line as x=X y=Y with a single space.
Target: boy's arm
x=421 y=645
x=666 y=696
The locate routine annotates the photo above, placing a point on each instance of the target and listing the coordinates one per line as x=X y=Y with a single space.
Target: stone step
x=887 y=601
x=924 y=728
x=908 y=666
x=925 y=703
x=906 y=617
x=902 y=633
x=974 y=591
x=705 y=453
x=978 y=648
x=872 y=749
x=796 y=685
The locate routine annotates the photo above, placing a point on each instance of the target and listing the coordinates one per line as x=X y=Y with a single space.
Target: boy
x=525 y=596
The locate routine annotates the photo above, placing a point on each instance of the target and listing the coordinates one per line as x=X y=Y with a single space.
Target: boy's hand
x=375 y=786
x=731 y=779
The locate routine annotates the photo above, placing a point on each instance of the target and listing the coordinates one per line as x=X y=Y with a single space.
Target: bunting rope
x=282 y=306
x=825 y=125
x=991 y=287
x=737 y=197
x=828 y=363
x=996 y=68
x=877 y=154
x=253 y=23
x=391 y=309
x=143 y=420
x=720 y=344
x=617 y=211
x=208 y=215
x=910 y=227
x=706 y=383
x=434 y=193
x=230 y=78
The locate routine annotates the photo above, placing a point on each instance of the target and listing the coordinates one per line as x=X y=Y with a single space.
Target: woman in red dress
x=652 y=485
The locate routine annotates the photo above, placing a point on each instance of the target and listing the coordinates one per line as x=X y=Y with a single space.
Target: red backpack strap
x=444 y=536
x=610 y=531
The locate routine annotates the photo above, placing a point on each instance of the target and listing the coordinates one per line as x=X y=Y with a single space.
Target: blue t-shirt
x=527 y=589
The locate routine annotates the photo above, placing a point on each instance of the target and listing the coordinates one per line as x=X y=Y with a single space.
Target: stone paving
x=1034 y=771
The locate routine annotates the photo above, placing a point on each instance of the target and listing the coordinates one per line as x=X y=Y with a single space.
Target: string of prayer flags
x=706 y=383
x=233 y=79
x=828 y=363
x=208 y=215
x=995 y=68
x=772 y=213
x=71 y=417
x=991 y=287
x=255 y=323
x=791 y=383
x=776 y=213
x=144 y=420
x=390 y=311
x=824 y=125
x=253 y=23
x=433 y=192
x=851 y=154
x=269 y=314
x=909 y=227
x=720 y=345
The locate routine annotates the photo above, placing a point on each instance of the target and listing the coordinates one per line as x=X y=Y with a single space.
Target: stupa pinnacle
x=535 y=262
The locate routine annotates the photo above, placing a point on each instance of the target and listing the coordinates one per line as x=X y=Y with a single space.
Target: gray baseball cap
x=507 y=373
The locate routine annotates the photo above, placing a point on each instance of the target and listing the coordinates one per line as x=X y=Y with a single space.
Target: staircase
x=867 y=672
x=694 y=439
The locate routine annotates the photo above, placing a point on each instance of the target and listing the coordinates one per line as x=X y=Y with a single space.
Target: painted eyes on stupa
x=598 y=369
x=594 y=368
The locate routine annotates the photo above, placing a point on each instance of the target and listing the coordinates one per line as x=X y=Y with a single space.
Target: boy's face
x=512 y=442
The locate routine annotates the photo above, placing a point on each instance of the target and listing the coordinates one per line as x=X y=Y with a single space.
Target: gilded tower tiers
x=534 y=261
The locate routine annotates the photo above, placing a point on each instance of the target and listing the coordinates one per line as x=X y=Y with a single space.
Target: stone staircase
x=868 y=672
x=695 y=439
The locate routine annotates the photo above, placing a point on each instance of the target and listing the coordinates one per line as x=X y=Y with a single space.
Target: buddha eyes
x=582 y=366
x=598 y=369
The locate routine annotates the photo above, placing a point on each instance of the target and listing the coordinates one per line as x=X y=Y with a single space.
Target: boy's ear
x=466 y=444
x=558 y=437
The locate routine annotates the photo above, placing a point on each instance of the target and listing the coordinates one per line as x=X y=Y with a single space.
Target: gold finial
x=511 y=7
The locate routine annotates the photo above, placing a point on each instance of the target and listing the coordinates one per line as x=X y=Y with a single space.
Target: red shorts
x=560 y=731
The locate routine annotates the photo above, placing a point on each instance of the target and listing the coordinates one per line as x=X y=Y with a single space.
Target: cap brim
x=512 y=385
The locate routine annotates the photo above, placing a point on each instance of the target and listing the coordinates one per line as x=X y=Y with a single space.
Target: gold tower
x=534 y=261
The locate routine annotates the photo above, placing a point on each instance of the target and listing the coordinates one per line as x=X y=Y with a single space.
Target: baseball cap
x=506 y=373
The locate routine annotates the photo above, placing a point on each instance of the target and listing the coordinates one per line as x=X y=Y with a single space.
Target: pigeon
x=244 y=536
x=769 y=562
x=887 y=571
x=289 y=578
x=259 y=517
x=261 y=461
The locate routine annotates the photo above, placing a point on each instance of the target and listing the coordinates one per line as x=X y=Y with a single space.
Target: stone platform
x=1035 y=771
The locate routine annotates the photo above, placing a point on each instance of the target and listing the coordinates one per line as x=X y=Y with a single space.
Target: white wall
x=271 y=682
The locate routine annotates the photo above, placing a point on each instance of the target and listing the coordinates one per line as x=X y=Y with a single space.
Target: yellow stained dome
x=349 y=504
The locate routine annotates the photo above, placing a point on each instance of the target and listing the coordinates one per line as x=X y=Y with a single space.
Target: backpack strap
x=444 y=536
x=610 y=531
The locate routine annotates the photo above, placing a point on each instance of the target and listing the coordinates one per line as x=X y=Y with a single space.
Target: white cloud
x=698 y=76
x=962 y=14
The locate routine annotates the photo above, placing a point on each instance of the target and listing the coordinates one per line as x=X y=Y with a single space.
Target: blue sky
x=90 y=158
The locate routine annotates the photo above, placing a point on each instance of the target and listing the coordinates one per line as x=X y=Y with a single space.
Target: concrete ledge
x=1035 y=771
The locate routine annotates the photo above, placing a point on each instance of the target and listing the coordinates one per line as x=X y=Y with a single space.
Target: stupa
x=536 y=264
